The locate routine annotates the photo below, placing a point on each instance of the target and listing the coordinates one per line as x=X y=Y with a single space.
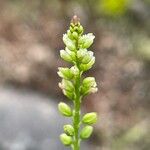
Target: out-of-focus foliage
x=113 y=7
x=143 y=48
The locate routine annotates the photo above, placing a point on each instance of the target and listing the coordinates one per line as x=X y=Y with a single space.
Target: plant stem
x=76 y=117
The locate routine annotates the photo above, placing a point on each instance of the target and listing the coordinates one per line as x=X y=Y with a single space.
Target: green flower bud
x=69 y=94
x=88 y=57
x=69 y=34
x=90 y=118
x=80 y=29
x=64 y=109
x=65 y=73
x=86 y=132
x=65 y=56
x=69 y=130
x=71 y=27
x=86 y=67
x=89 y=82
x=75 y=35
x=69 y=43
x=65 y=139
x=71 y=53
x=88 y=86
x=67 y=85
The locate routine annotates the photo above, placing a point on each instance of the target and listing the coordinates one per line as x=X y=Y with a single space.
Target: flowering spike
x=72 y=84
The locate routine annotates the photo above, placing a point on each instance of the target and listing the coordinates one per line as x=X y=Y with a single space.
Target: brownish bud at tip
x=75 y=20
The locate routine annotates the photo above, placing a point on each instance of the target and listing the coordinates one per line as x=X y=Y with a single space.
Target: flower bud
x=89 y=81
x=74 y=70
x=65 y=139
x=69 y=130
x=69 y=43
x=86 y=40
x=67 y=85
x=88 y=86
x=69 y=34
x=64 y=109
x=85 y=67
x=65 y=56
x=88 y=57
x=81 y=53
x=69 y=94
x=80 y=29
x=75 y=35
x=90 y=118
x=65 y=73
x=71 y=53
x=86 y=132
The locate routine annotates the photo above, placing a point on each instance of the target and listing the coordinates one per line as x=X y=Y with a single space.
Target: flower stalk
x=74 y=86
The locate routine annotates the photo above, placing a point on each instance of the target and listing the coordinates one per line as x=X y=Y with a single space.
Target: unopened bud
x=65 y=139
x=89 y=81
x=75 y=34
x=90 y=118
x=88 y=40
x=85 y=67
x=81 y=53
x=80 y=29
x=74 y=70
x=65 y=56
x=64 y=109
x=71 y=53
x=88 y=57
x=69 y=94
x=69 y=130
x=86 y=132
x=67 y=85
x=65 y=73
x=69 y=43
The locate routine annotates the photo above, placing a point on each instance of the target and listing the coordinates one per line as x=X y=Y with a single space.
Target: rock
x=29 y=121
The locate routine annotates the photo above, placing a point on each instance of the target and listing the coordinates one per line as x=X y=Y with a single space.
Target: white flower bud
x=69 y=43
x=88 y=86
x=88 y=57
x=81 y=53
x=74 y=70
x=64 y=55
x=86 y=40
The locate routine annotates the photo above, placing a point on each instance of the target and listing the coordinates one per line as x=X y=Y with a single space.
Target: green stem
x=76 y=117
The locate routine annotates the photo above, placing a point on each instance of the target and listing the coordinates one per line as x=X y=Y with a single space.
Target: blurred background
x=30 y=40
